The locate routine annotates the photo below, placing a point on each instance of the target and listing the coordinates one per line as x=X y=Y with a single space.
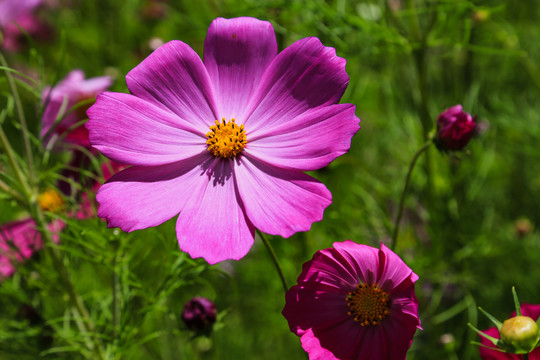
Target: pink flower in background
x=455 y=128
x=353 y=301
x=19 y=14
x=69 y=92
x=530 y=310
x=224 y=142
x=18 y=241
x=10 y=10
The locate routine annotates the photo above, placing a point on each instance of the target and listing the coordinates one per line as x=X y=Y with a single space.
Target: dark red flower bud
x=199 y=314
x=455 y=128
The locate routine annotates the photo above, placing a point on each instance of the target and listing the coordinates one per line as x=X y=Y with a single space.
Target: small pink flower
x=19 y=14
x=69 y=92
x=356 y=302
x=455 y=128
x=530 y=310
x=19 y=240
x=10 y=10
x=224 y=142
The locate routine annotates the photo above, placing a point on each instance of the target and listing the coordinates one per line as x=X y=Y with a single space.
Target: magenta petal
x=308 y=142
x=393 y=271
x=362 y=260
x=312 y=345
x=141 y=197
x=213 y=225
x=236 y=53
x=133 y=131
x=174 y=77
x=277 y=201
x=303 y=76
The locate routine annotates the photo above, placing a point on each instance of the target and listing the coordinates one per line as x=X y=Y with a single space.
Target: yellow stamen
x=226 y=139
x=368 y=304
x=50 y=200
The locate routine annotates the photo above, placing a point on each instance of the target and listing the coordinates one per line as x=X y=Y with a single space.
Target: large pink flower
x=60 y=100
x=353 y=301
x=224 y=142
x=530 y=310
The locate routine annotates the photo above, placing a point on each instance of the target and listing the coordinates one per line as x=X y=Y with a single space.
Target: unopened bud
x=520 y=332
x=199 y=314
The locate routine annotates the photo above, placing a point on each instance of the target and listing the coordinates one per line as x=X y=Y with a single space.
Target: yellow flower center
x=367 y=304
x=226 y=139
x=50 y=200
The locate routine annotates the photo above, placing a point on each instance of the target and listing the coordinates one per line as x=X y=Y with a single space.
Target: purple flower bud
x=199 y=314
x=455 y=128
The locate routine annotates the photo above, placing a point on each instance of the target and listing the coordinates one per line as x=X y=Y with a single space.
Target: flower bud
x=455 y=128
x=199 y=314
x=520 y=332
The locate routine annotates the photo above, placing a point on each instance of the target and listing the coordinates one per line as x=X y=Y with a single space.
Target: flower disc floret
x=226 y=138
x=50 y=200
x=368 y=304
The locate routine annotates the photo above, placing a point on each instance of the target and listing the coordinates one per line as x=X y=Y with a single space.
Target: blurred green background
x=471 y=219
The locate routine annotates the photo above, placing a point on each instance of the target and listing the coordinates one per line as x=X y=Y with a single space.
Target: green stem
x=22 y=121
x=525 y=356
x=13 y=163
x=274 y=259
x=403 y=194
x=87 y=324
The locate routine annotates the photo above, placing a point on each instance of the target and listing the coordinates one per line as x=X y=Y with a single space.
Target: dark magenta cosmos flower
x=60 y=101
x=455 y=128
x=353 y=301
x=224 y=142
x=530 y=310
x=199 y=314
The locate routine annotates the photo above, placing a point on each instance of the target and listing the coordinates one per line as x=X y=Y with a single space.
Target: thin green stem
x=13 y=163
x=274 y=259
x=22 y=121
x=525 y=356
x=87 y=324
x=424 y=147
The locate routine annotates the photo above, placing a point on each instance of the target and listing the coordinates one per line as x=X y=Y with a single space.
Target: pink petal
x=174 y=78
x=308 y=142
x=213 y=225
x=530 y=310
x=141 y=197
x=236 y=53
x=312 y=345
x=361 y=260
x=336 y=268
x=12 y=9
x=393 y=271
x=488 y=354
x=280 y=202
x=303 y=76
x=133 y=131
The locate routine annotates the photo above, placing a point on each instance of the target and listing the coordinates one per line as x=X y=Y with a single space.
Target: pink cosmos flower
x=18 y=241
x=353 y=301
x=224 y=142
x=69 y=92
x=530 y=310
x=10 y=10
x=19 y=14
x=455 y=128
